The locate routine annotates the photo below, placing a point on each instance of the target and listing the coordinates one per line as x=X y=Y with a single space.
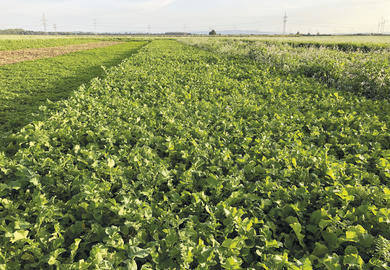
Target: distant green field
x=345 y=43
x=28 y=37
x=27 y=85
x=385 y=40
x=340 y=42
x=362 y=72
x=16 y=44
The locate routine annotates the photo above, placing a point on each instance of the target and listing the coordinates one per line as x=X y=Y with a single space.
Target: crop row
x=26 y=86
x=364 y=73
x=186 y=159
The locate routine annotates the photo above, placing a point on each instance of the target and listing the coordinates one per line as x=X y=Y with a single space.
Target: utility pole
x=149 y=29
x=284 y=23
x=381 y=26
x=44 y=22
x=94 y=25
x=55 y=27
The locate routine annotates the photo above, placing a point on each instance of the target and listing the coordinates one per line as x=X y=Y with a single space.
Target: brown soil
x=10 y=57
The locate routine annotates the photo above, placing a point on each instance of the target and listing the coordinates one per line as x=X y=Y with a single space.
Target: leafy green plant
x=25 y=87
x=360 y=72
x=181 y=158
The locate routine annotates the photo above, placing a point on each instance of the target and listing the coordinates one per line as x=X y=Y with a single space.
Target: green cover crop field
x=16 y=44
x=203 y=154
x=27 y=42
x=365 y=43
x=365 y=73
x=26 y=86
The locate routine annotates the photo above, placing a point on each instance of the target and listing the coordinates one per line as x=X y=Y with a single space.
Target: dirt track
x=10 y=57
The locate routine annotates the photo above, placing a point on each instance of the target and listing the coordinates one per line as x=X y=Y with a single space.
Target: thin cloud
x=336 y=16
x=157 y=4
x=150 y=5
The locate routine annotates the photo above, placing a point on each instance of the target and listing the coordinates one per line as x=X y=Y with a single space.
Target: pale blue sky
x=178 y=15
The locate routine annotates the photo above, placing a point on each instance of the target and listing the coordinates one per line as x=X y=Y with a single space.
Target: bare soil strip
x=10 y=57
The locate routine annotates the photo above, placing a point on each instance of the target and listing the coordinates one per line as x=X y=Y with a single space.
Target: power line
x=284 y=23
x=381 y=25
x=44 y=22
x=263 y=23
x=95 y=25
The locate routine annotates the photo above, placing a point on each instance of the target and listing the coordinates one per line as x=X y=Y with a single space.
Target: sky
x=324 y=16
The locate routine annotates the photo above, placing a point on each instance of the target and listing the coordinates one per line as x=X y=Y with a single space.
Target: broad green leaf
x=307 y=265
x=230 y=243
x=27 y=257
x=136 y=252
x=351 y=236
x=19 y=235
x=132 y=265
x=331 y=173
x=320 y=250
x=272 y=244
x=213 y=181
x=297 y=230
x=332 y=262
x=294 y=162
x=110 y=163
x=232 y=263
x=74 y=247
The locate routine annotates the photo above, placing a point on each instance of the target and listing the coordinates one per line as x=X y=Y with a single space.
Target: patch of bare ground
x=10 y=57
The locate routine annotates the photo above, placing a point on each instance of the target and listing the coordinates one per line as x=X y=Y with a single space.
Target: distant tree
x=213 y=33
x=298 y=33
x=12 y=31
